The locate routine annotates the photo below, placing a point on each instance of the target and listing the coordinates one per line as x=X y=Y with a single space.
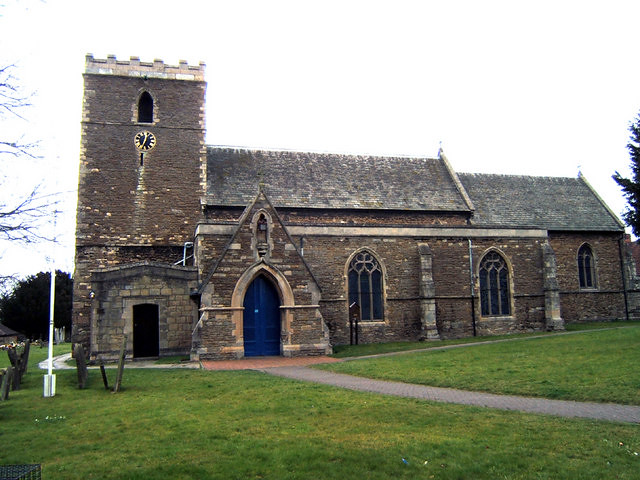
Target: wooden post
x=104 y=376
x=123 y=353
x=354 y=319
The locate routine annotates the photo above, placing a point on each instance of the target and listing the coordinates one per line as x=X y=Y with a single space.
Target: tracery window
x=494 y=285
x=365 y=286
x=145 y=108
x=586 y=267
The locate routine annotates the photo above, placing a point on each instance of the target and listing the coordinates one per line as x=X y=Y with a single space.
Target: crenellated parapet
x=135 y=68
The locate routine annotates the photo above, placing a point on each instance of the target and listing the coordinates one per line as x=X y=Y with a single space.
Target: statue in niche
x=262 y=230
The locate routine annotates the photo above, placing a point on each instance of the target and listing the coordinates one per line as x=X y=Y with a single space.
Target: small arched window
x=586 y=267
x=145 y=108
x=495 y=297
x=365 y=286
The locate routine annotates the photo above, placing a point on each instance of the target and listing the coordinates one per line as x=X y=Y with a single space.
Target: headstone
x=5 y=386
x=3 y=372
x=19 y=362
x=25 y=357
x=81 y=364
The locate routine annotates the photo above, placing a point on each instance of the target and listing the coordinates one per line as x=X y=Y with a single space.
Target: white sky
x=514 y=87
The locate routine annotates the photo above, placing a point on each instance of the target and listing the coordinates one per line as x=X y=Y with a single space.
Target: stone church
x=222 y=252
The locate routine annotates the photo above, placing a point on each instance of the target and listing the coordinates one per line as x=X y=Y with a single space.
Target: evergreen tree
x=26 y=308
x=631 y=187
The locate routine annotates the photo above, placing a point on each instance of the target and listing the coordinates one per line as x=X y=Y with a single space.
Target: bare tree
x=23 y=211
x=11 y=102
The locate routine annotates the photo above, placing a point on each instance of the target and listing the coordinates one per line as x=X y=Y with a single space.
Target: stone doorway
x=261 y=319
x=146 y=330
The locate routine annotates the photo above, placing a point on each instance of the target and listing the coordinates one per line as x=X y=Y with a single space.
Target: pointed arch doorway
x=261 y=319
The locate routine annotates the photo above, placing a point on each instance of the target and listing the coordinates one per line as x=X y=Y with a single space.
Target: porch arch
x=285 y=294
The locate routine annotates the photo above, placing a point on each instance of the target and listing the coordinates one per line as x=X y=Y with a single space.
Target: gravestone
x=81 y=364
x=5 y=383
x=19 y=361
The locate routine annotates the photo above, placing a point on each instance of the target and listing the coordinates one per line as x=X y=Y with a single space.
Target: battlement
x=135 y=68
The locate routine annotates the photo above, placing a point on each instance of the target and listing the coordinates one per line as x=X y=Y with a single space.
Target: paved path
x=261 y=363
x=61 y=362
x=598 y=411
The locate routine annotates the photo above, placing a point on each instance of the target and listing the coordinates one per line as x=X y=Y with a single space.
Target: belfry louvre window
x=494 y=285
x=145 y=108
x=365 y=286
x=586 y=267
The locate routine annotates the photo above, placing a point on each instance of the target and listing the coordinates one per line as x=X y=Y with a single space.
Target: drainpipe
x=624 y=276
x=184 y=252
x=473 y=299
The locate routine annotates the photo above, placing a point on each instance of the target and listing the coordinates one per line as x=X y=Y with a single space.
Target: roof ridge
x=518 y=175
x=317 y=152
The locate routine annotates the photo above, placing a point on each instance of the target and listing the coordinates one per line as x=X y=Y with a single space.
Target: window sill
x=372 y=323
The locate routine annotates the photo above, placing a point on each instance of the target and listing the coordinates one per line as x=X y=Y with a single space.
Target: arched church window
x=365 y=286
x=145 y=108
x=586 y=267
x=494 y=285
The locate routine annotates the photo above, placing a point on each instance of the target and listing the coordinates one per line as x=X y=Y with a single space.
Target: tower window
x=145 y=108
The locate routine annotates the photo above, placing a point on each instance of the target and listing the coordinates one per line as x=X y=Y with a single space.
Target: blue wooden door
x=261 y=319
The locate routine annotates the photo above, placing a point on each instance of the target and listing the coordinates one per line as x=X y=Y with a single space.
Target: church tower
x=142 y=169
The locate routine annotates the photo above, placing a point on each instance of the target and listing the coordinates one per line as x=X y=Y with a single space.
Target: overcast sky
x=513 y=87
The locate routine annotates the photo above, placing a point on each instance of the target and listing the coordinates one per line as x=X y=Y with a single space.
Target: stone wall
x=231 y=263
x=120 y=200
x=117 y=290
x=90 y=259
x=134 y=206
x=607 y=300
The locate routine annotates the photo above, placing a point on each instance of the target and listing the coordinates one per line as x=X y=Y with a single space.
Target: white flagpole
x=50 y=378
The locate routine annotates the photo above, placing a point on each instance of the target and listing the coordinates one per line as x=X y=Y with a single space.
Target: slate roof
x=323 y=180
x=551 y=203
x=7 y=332
x=334 y=181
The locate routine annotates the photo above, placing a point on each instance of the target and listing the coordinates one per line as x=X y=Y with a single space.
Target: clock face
x=144 y=140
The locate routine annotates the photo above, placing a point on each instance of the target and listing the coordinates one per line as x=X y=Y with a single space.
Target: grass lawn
x=194 y=424
x=594 y=365
x=247 y=425
x=348 y=351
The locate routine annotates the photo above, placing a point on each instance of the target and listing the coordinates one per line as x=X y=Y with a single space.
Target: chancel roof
x=334 y=181
x=550 y=203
